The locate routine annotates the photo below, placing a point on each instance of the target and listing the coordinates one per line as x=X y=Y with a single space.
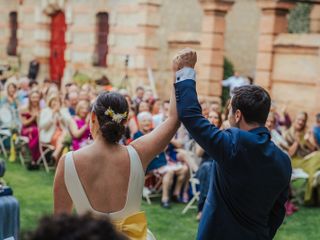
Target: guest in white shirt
x=54 y=122
x=235 y=81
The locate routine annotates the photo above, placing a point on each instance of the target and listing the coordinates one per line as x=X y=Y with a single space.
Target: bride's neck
x=101 y=142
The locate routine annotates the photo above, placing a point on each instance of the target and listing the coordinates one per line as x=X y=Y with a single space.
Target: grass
x=34 y=192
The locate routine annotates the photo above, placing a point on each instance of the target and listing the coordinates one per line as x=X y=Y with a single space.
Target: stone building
x=96 y=37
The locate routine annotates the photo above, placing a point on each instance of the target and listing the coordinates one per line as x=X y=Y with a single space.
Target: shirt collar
x=260 y=130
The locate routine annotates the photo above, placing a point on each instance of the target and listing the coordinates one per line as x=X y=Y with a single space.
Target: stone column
x=147 y=42
x=315 y=19
x=42 y=37
x=211 y=56
x=273 y=21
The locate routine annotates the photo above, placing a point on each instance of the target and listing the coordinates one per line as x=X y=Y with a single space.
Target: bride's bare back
x=104 y=175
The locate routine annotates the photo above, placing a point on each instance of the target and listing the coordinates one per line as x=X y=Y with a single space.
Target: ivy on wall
x=298 y=19
x=228 y=71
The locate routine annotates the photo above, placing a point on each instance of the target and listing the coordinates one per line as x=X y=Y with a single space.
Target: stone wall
x=242 y=36
x=150 y=32
x=5 y=8
x=296 y=72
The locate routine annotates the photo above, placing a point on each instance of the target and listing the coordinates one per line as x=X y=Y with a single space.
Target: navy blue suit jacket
x=250 y=180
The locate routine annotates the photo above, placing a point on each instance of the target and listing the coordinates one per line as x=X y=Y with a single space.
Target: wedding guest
x=82 y=120
x=72 y=101
x=139 y=96
x=301 y=150
x=12 y=102
x=29 y=116
x=316 y=130
x=54 y=122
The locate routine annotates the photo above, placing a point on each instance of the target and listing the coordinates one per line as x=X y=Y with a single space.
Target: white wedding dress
x=134 y=194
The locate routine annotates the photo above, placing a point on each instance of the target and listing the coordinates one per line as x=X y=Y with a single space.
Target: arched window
x=101 y=47
x=13 y=41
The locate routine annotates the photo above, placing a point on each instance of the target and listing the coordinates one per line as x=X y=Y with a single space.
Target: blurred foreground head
x=72 y=227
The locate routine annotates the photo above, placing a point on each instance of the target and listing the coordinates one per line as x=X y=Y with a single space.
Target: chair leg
x=46 y=165
x=148 y=200
x=189 y=205
x=43 y=159
x=3 y=149
x=21 y=159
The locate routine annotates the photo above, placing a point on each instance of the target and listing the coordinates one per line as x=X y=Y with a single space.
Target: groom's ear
x=238 y=116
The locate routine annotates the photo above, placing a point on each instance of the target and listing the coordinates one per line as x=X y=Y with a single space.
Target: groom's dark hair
x=253 y=102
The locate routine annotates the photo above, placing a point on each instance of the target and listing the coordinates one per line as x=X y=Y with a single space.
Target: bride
x=106 y=178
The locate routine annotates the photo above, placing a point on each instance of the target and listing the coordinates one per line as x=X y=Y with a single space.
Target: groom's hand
x=186 y=57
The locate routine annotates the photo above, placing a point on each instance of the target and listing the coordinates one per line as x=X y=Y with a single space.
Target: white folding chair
x=155 y=191
x=4 y=135
x=44 y=149
x=6 y=119
x=25 y=141
x=193 y=182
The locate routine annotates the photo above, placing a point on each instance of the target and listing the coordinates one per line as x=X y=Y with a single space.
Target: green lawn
x=34 y=191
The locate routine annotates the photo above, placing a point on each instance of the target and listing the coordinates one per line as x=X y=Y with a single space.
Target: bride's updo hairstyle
x=111 y=109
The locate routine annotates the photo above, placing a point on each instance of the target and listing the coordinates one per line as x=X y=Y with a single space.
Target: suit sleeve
x=218 y=144
x=278 y=213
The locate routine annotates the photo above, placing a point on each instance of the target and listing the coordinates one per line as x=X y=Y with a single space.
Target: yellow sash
x=134 y=226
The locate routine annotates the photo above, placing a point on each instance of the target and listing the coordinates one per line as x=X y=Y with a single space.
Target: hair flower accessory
x=116 y=117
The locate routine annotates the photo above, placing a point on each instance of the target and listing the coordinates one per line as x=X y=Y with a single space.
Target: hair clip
x=116 y=117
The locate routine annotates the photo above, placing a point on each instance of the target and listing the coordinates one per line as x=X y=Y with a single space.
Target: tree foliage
x=299 y=21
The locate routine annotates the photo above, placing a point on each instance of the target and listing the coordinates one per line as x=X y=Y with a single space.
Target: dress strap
x=136 y=180
x=74 y=186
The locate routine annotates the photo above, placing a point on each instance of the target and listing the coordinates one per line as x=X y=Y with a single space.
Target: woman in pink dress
x=82 y=121
x=29 y=117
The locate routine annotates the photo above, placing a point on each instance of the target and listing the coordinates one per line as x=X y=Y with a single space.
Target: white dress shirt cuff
x=185 y=73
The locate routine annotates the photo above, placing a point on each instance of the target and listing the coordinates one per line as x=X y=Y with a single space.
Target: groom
x=250 y=177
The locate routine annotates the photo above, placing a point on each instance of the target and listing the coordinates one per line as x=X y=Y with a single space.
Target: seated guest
x=11 y=102
x=81 y=139
x=143 y=107
x=204 y=108
x=133 y=122
x=72 y=101
x=162 y=115
x=139 y=96
x=300 y=147
x=24 y=90
x=159 y=164
x=179 y=158
x=316 y=130
x=283 y=119
x=148 y=96
x=72 y=227
x=276 y=137
x=156 y=106
x=54 y=122
x=205 y=168
x=215 y=106
x=84 y=95
x=29 y=116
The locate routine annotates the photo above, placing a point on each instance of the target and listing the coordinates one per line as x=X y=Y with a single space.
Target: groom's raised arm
x=219 y=144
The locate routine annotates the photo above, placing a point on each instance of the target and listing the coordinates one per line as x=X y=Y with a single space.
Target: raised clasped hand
x=186 y=57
